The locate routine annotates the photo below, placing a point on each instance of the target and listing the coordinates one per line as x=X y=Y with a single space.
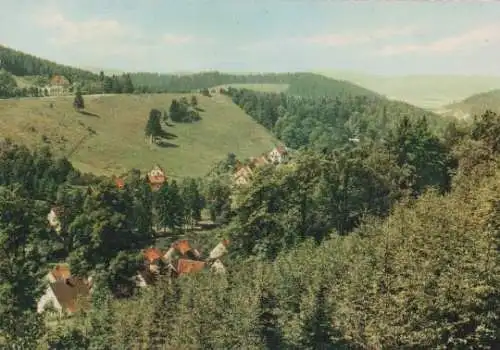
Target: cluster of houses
x=243 y=172
x=156 y=178
x=66 y=294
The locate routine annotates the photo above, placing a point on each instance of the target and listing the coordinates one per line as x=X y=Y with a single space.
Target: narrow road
x=53 y=97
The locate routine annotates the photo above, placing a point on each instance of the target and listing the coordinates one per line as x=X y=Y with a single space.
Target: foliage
x=24 y=242
x=22 y=64
x=78 y=102
x=327 y=121
x=153 y=126
x=182 y=112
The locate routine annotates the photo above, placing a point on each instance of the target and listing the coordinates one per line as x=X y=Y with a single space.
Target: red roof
x=189 y=266
x=61 y=272
x=59 y=80
x=182 y=246
x=152 y=254
x=120 y=183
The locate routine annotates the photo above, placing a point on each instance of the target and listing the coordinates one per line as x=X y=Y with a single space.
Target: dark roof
x=69 y=291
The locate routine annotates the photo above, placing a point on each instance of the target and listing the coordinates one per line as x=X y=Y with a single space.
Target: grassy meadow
x=108 y=138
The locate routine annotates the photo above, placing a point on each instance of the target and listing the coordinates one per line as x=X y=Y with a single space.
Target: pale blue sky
x=386 y=37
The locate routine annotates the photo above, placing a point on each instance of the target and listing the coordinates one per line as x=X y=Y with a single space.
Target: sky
x=378 y=37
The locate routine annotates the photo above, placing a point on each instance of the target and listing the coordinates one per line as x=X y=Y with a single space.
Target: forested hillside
x=37 y=72
x=303 y=84
x=328 y=122
x=22 y=64
x=475 y=105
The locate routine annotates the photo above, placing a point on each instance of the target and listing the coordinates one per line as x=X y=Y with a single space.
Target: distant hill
x=426 y=91
x=474 y=105
x=119 y=143
x=303 y=84
x=22 y=64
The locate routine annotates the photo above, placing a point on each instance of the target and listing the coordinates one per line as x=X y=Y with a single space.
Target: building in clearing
x=65 y=293
x=278 y=155
x=54 y=217
x=242 y=175
x=156 y=177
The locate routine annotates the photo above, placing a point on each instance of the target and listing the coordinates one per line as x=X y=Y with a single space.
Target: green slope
x=474 y=105
x=119 y=143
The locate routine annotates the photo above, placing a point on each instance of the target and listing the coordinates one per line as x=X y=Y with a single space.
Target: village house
x=185 y=266
x=156 y=177
x=243 y=175
x=64 y=293
x=58 y=86
x=151 y=268
x=278 y=155
x=54 y=218
x=181 y=258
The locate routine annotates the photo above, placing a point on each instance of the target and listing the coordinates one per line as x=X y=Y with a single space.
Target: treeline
x=303 y=84
x=104 y=84
x=154 y=82
x=327 y=122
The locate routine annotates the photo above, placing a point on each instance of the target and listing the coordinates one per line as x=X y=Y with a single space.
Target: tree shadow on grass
x=167 y=135
x=90 y=114
x=165 y=144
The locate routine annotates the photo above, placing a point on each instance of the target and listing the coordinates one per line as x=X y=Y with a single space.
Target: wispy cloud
x=105 y=37
x=479 y=36
x=176 y=39
x=351 y=38
x=355 y=37
x=67 y=32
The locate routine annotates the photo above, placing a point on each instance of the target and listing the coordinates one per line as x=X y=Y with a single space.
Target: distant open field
x=276 y=88
x=119 y=143
x=425 y=91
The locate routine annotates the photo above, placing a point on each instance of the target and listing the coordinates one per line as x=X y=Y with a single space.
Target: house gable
x=156 y=177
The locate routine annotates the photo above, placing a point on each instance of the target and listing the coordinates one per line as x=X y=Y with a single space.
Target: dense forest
x=380 y=244
x=21 y=64
x=328 y=122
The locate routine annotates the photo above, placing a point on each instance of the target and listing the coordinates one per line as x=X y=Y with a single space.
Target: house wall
x=54 y=220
